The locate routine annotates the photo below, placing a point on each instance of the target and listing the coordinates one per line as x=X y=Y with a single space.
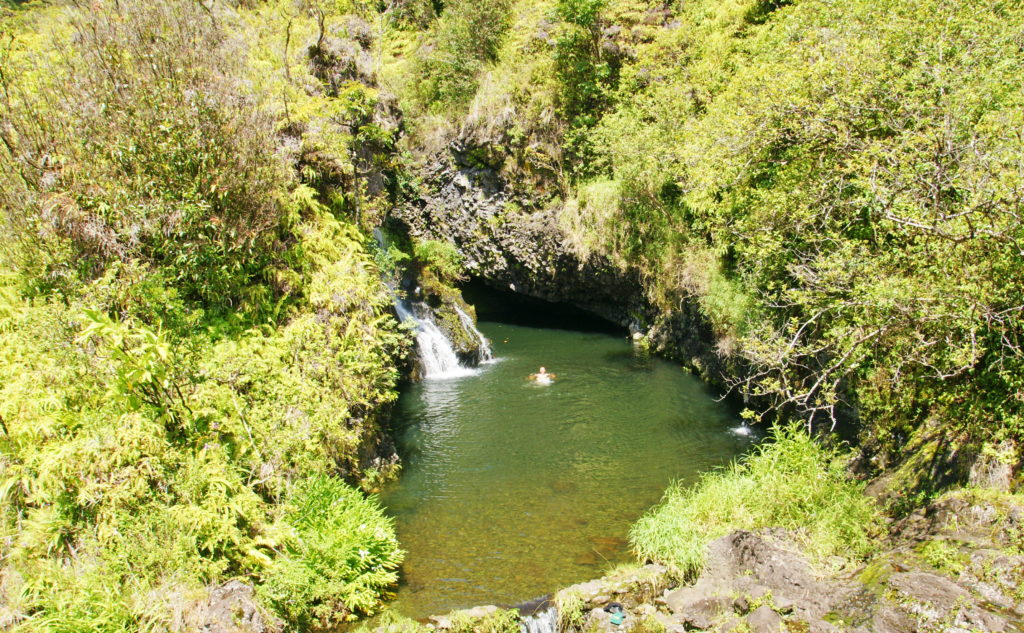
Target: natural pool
x=512 y=489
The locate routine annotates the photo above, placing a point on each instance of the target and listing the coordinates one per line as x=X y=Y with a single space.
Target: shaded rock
x=230 y=608
x=741 y=604
x=764 y=620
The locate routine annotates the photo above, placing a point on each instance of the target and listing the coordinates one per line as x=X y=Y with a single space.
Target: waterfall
x=485 y=346
x=545 y=621
x=435 y=350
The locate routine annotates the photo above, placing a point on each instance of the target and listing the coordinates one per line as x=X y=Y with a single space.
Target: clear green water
x=512 y=489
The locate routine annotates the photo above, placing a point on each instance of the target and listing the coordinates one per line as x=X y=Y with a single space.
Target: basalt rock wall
x=473 y=208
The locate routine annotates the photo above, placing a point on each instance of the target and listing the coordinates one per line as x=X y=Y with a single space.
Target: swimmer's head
x=543 y=371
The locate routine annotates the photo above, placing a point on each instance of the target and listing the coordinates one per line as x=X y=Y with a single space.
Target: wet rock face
x=513 y=242
x=455 y=317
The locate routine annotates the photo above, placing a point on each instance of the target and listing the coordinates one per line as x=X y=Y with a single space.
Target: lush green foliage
x=587 y=74
x=164 y=156
x=465 y=38
x=837 y=185
x=195 y=345
x=790 y=481
x=343 y=557
x=440 y=258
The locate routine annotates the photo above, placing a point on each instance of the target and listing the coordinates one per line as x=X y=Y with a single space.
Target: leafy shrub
x=184 y=333
x=164 y=155
x=578 y=60
x=343 y=557
x=441 y=258
x=790 y=481
x=466 y=36
x=795 y=142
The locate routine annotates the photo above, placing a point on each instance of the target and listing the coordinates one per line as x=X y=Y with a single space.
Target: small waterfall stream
x=435 y=350
x=545 y=621
x=437 y=356
x=485 y=346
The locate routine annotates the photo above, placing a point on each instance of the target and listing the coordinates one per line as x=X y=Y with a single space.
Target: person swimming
x=543 y=376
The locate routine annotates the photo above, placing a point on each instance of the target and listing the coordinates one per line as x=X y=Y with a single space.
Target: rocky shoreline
x=956 y=566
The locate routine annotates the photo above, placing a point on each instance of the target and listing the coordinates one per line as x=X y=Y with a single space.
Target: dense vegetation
x=193 y=331
x=839 y=185
x=196 y=346
x=810 y=495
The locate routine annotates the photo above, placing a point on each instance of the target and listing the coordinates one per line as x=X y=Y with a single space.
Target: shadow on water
x=512 y=489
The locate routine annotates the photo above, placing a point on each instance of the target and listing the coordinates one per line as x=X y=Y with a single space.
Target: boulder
x=756 y=564
x=764 y=620
x=630 y=588
x=229 y=608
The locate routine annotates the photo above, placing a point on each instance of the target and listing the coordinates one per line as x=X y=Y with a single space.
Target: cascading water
x=545 y=621
x=485 y=346
x=435 y=350
x=437 y=356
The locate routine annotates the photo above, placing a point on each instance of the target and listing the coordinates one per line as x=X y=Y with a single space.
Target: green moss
x=441 y=259
x=943 y=555
x=875 y=576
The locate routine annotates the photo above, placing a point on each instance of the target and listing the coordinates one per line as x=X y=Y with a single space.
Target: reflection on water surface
x=512 y=489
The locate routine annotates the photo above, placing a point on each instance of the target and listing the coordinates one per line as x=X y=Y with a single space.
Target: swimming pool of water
x=512 y=489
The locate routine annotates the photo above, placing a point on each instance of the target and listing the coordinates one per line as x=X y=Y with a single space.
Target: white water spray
x=545 y=621
x=467 y=322
x=436 y=353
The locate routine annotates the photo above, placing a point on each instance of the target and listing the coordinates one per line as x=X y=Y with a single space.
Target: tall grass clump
x=790 y=481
